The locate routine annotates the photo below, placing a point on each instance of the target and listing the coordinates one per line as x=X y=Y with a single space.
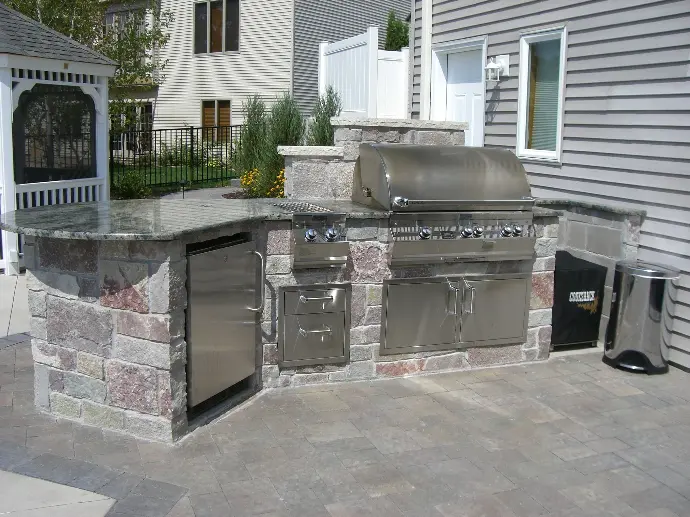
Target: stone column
x=538 y=343
x=107 y=327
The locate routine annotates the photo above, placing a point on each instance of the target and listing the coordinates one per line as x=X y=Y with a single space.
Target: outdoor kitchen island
x=114 y=307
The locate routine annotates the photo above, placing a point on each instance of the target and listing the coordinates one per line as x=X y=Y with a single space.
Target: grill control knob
x=478 y=231
x=518 y=230
x=507 y=231
x=331 y=234
x=467 y=232
x=310 y=235
x=425 y=233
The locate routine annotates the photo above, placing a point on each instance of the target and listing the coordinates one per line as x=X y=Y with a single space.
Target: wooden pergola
x=53 y=122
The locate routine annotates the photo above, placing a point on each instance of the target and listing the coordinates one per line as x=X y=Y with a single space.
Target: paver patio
x=567 y=438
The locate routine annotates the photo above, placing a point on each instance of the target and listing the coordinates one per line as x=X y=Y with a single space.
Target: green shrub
x=397 y=33
x=181 y=153
x=130 y=185
x=320 y=128
x=250 y=147
x=285 y=126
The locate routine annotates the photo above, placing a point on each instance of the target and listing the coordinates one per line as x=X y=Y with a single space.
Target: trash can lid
x=647 y=269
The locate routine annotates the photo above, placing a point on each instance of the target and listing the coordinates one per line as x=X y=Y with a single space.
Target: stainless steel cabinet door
x=496 y=313
x=222 y=331
x=419 y=316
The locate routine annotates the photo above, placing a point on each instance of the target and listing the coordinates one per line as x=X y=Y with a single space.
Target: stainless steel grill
x=448 y=204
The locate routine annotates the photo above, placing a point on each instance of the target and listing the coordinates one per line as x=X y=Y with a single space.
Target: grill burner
x=303 y=208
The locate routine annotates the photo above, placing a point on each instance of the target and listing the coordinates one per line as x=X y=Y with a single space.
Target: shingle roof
x=23 y=36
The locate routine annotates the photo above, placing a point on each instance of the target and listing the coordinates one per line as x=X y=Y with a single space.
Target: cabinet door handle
x=262 y=282
x=473 y=293
x=452 y=290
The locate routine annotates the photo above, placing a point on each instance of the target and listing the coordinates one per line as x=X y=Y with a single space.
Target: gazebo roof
x=22 y=36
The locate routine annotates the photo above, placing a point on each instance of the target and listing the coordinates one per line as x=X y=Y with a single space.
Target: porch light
x=497 y=67
x=493 y=70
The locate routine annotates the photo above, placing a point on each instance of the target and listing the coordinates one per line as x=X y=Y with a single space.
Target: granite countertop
x=538 y=211
x=615 y=209
x=157 y=219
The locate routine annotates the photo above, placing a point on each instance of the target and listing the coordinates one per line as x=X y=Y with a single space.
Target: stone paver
x=22 y=496
x=567 y=438
x=14 y=309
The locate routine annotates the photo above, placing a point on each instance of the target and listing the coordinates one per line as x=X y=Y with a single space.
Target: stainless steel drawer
x=313 y=339
x=315 y=301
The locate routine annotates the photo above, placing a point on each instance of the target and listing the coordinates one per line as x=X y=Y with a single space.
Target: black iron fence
x=169 y=158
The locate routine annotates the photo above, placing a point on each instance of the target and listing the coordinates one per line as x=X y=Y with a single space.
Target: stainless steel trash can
x=636 y=337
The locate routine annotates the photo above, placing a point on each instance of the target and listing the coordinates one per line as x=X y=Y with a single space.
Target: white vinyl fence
x=372 y=83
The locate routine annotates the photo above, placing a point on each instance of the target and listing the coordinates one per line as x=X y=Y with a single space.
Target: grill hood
x=420 y=178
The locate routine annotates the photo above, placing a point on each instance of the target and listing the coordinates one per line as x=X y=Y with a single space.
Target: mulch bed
x=236 y=195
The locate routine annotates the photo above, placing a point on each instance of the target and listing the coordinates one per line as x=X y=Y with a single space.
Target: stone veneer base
x=108 y=333
x=368 y=267
x=108 y=322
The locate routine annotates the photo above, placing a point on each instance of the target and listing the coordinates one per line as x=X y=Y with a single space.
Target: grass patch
x=173 y=175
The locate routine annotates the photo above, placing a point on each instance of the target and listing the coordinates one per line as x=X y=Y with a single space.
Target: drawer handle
x=305 y=333
x=304 y=299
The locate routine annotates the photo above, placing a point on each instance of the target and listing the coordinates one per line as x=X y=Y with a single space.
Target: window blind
x=544 y=93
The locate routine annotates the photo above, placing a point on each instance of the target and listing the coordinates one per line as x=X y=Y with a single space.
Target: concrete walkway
x=14 y=308
x=204 y=193
x=22 y=496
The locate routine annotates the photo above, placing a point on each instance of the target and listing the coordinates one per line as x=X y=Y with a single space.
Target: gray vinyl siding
x=262 y=66
x=332 y=20
x=626 y=134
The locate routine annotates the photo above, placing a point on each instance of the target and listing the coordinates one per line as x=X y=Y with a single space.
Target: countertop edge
x=164 y=236
x=615 y=209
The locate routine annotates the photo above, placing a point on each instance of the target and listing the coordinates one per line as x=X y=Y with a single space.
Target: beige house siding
x=626 y=134
x=263 y=64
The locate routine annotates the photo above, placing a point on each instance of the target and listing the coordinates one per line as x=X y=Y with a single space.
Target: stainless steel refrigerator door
x=222 y=329
x=419 y=316
x=494 y=311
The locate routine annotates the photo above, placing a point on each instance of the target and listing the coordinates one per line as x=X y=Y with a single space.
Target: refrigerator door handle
x=262 y=283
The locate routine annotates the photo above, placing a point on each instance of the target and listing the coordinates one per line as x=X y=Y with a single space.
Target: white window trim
x=525 y=40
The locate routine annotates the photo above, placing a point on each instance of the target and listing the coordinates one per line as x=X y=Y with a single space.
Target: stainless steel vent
x=301 y=207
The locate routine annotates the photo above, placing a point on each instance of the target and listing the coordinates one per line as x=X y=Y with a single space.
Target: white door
x=465 y=93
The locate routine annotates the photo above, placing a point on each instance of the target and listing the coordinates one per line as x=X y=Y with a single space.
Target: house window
x=540 y=100
x=131 y=130
x=119 y=21
x=216 y=26
x=216 y=115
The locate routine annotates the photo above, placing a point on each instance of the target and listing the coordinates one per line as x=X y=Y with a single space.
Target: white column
x=407 y=66
x=373 y=71
x=102 y=140
x=323 y=65
x=425 y=86
x=10 y=245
